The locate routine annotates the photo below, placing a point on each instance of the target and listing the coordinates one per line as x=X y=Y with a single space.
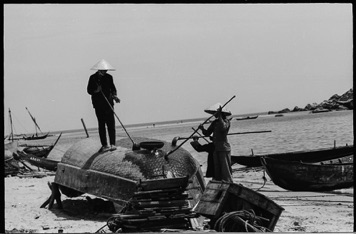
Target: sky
x=172 y=60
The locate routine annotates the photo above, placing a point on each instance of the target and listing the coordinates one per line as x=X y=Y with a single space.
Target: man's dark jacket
x=108 y=88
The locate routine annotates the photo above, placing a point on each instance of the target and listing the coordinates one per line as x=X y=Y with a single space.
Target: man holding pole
x=102 y=89
x=222 y=151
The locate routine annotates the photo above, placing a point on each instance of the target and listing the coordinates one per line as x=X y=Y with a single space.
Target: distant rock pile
x=335 y=102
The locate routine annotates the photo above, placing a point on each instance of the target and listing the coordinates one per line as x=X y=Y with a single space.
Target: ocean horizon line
x=158 y=123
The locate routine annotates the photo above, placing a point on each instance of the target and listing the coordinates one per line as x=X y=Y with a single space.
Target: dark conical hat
x=103 y=65
x=212 y=109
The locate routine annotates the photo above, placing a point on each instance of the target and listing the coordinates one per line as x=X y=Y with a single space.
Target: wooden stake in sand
x=86 y=131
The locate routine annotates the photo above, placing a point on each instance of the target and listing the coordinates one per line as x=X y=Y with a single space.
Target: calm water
x=292 y=132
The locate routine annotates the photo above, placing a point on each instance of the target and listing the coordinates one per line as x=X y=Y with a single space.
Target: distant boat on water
x=279 y=115
x=247 y=117
x=320 y=111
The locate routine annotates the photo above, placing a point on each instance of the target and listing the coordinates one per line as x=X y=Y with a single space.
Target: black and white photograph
x=177 y=117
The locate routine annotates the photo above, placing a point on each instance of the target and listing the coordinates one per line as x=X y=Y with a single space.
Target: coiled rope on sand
x=240 y=221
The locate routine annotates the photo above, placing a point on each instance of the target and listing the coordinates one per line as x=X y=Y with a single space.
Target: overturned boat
x=114 y=175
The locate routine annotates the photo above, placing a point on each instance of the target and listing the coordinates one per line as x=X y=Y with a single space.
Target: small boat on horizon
x=320 y=111
x=247 y=117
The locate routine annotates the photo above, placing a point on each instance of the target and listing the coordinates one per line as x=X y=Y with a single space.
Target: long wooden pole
x=34 y=120
x=118 y=118
x=200 y=135
x=235 y=133
x=170 y=152
x=12 y=131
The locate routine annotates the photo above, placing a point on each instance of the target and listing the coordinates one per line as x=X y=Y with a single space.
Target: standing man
x=222 y=151
x=103 y=93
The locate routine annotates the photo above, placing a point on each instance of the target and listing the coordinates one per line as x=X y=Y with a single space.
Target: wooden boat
x=44 y=163
x=299 y=176
x=113 y=175
x=40 y=150
x=35 y=136
x=247 y=117
x=305 y=156
x=320 y=111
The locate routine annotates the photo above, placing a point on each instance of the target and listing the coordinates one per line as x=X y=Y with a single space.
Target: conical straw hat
x=102 y=65
x=212 y=109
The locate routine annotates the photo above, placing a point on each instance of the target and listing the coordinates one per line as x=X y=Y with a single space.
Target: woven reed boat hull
x=114 y=175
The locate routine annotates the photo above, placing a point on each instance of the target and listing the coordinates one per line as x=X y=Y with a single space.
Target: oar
x=201 y=135
x=171 y=151
x=135 y=146
x=174 y=141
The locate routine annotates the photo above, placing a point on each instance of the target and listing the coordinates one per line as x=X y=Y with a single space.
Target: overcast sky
x=172 y=60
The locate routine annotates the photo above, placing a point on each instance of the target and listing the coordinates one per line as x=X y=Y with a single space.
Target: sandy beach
x=304 y=211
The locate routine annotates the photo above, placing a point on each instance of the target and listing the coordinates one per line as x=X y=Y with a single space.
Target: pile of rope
x=240 y=221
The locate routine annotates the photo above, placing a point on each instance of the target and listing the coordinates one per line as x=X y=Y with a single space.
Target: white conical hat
x=212 y=109
x=103 y=65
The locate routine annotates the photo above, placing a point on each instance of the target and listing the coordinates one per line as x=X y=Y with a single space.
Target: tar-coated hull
x=296 y=176
x=114 y=174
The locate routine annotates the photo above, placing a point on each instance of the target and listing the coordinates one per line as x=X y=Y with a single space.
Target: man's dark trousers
x=106 y=117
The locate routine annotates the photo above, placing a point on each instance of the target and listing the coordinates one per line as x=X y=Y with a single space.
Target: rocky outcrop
x=335 y=102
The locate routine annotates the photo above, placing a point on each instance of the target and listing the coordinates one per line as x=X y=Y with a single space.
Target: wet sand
x=304 y=211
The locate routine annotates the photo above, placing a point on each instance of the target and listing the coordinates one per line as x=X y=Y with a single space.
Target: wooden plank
x=160 y=191
x=212 y=200
x=89 y=181
x=160 y=203
x=159 y=184
x=256 y=199
x=163 y=198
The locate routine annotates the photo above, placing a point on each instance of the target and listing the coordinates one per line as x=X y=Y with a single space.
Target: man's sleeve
x=91 y=86
x=113 y=88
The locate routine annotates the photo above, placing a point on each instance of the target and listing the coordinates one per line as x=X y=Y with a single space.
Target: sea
x=294 y=131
